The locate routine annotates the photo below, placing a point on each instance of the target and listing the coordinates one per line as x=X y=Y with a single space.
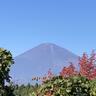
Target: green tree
x=6 y=61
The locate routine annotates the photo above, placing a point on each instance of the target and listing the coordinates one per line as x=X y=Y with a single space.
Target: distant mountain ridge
x=38 y=60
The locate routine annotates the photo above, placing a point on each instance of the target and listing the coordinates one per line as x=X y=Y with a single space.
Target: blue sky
x=68 y=23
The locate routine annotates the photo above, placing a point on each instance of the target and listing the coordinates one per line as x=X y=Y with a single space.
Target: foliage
x=26 y=90
x=5 y=64
x=68 y=71
x=93 y=87
x=74 y=86
x=59 y=86
x=87 y=67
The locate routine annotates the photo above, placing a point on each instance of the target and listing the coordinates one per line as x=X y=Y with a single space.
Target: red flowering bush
x=87 y=66
x=68 y=71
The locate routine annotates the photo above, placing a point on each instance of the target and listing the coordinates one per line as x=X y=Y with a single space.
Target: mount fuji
x=38 y=60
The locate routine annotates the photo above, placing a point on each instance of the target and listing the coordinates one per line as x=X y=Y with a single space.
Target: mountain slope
x=38 y=60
